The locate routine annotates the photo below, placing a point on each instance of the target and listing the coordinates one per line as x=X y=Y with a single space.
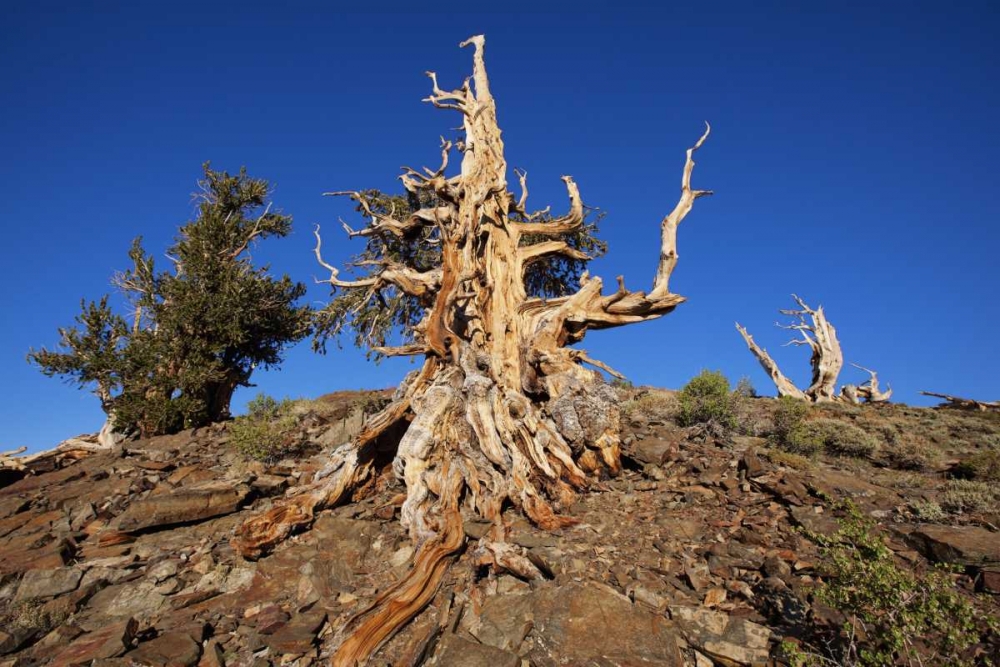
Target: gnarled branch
x=562 y=225
x=785 y=386
x=826 y=360
x=538 y=251
x=869 y=390
x=668 y=228
x=407 y=280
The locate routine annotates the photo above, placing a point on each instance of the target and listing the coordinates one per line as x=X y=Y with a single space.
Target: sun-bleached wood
x=965 y=403
x=71 y=449
x=869 y=390
x=826 y=360
x=502 y=410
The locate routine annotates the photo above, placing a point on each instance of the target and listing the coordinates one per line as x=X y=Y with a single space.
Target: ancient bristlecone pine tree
x=502 y=411
x=827 y=360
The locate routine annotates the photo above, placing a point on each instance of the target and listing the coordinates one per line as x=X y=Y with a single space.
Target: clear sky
x=854 y=156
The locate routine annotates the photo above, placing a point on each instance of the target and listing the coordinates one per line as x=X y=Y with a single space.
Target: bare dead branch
x=536 y=251
x=668 y=228
x=334 y=272
x=965 y=403
x=869 y=390
x=567 y=223
x=827 y=360
x=785 y=386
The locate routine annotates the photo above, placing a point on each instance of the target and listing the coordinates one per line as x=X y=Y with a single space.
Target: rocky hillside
x=707 y=550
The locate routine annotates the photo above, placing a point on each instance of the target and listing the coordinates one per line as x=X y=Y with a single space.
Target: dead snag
x=503 y=410
x=827 y=360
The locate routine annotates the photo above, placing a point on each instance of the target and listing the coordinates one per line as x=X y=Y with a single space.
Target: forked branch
x=407 y=280
x=870 y=390
x=668 y=228
x=563 y=225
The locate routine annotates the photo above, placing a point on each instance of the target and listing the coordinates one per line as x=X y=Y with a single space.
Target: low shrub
x=788 y=459
x=787 y=419
x=266 y=432
x=706 y=399
x=964 y=496
x=894 y=616
x=929 y=511
x=907 y=453
x=745 y=388
x=835 y=437
x=983 y=466
x=651 y=403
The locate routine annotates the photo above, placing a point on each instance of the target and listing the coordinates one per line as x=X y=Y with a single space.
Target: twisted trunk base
x=470 y=445
x=502 y=413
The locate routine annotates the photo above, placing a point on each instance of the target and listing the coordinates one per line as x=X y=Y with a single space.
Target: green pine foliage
x=91 y=353
x=196 y=332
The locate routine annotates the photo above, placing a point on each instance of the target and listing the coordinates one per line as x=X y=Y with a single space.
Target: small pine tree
x=196 y=333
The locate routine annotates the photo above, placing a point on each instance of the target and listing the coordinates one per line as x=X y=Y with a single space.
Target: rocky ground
x=695 y=555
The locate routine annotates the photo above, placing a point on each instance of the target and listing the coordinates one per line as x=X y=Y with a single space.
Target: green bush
x=788 y=459
x=983 y=466
x=266 y=432
x=706 y=399
x=964 y=495
x=745 y=388
x=928 y=510
x=906 y=453
x=651 y=403
x=833 y=436
x=889 y=605
x=787 y=423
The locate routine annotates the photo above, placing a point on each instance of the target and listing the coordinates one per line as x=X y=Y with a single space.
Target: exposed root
x=351 y=465
x=397 y=605
x=259 y=534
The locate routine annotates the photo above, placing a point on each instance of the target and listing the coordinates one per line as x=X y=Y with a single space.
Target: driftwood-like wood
x=965 y=403
x=827 y=360
x=73 y=449
x=870 y=390
x=502 y=411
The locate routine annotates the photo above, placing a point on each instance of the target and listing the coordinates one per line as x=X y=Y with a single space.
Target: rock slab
x=183 y=505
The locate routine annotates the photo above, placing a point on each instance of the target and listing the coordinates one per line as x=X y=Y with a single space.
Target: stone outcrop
x=697 y=554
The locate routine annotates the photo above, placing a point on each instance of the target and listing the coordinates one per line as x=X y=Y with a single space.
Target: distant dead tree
x=827 y=361
x=960 y=403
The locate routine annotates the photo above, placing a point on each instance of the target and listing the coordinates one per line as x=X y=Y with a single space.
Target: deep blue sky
x=854 y=159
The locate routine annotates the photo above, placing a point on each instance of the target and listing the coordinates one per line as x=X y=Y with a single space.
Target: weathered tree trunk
x=827 y=360
x=502 y=410
x=219 y=396
x=109 y=435
x=785 y=386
